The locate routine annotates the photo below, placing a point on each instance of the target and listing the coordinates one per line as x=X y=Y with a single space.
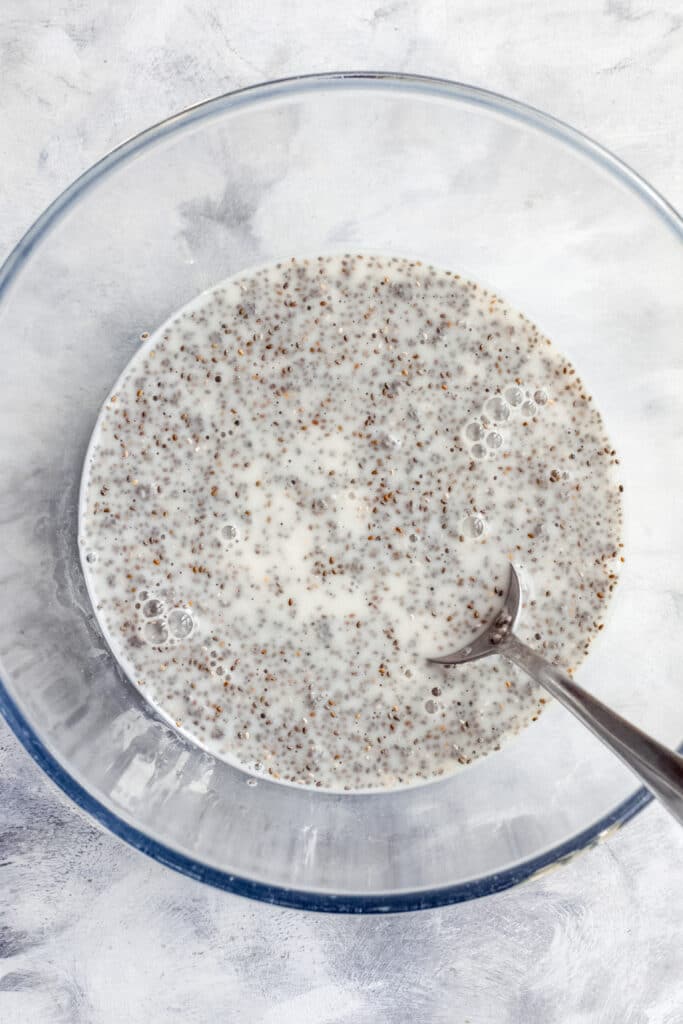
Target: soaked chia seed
x=315 y=476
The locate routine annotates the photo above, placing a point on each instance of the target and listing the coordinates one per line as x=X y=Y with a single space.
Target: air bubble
x=497 y=408
x=540 y=397
x=478 y=450
x=473 y=526
x=142 y=595
x=389 y=440
x=91 y=557
x=252 y=782
x=474 y=431
x=431 y=707
x=155 y=632
x=494 y=439
x=143 y=491
x=529 y=408
x=180 y=623
x=230 y=532
x=152 y=608
x=514 y=395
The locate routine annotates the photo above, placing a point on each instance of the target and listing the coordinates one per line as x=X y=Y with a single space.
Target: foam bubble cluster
x=160 y=626
x=487 y=430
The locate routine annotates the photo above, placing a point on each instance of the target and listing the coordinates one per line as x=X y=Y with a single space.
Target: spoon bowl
x=490 y=639
x=658 y=767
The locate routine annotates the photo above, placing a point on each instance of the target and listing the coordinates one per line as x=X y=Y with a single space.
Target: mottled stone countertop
x=91 y=932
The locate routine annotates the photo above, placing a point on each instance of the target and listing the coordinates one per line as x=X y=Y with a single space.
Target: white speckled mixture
x=313 y=477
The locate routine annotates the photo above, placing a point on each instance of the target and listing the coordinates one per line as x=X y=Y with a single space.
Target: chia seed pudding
x=315 y=476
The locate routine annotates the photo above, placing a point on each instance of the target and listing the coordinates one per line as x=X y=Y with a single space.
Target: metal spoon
x=658 y=767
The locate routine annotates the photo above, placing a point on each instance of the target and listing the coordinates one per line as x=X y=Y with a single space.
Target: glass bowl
x=450 y=174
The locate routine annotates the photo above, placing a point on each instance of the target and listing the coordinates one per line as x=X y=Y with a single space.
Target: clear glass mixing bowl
x=447 y=173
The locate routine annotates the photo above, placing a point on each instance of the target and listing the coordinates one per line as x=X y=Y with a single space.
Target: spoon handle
x=658 y=767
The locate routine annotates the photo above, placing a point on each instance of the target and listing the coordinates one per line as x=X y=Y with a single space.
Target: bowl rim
x=382 y=902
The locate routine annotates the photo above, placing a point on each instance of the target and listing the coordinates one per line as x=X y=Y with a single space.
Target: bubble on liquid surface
x=152 y=608
x=431 y=707
x=474 y=431
x=473 y=526
x=156 y=632
x=514 y=395
x=386 y=440
x=497 y=408
x=529 y=408
x=252 y=782
x=91 y=557
x=494 y=439
x=142 y=595
x=180 y=623
x=478 y=450
x=540 y=396
x=143 y=491
x=230 y=532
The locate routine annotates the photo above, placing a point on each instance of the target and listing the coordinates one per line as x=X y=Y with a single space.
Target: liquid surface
x=315 y=476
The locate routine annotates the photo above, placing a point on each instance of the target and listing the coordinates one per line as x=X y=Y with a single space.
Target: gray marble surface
x=92 y=932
